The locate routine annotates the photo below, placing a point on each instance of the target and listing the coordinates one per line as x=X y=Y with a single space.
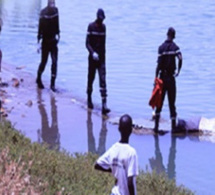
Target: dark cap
x=101 y=14
x=171 y=32
x=51 y=3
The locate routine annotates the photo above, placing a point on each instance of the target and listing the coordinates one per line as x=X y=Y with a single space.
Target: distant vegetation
x=30 y=168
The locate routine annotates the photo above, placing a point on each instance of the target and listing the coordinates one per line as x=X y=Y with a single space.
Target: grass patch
x=30 y=168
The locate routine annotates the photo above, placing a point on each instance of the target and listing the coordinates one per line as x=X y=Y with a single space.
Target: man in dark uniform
x=95 y=43
x=166 y=71
x=50 y=34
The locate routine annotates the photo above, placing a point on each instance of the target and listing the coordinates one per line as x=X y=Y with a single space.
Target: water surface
x=135 y=29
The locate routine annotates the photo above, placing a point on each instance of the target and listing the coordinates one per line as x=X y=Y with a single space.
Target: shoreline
x=41 y=114
x=45 y=116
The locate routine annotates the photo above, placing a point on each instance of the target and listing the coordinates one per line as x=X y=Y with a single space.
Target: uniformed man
x=95 y=43
x=50 y=34
x=166 y=70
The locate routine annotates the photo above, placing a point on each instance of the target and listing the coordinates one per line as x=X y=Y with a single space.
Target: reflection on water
x=157 y=162
x=102 y=136
x=134 y=71
x=48 y=134
x=172 y=155
x=21 y=24
x=1 y=7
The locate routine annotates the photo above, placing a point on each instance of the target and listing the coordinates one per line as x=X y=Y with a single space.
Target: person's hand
x=176 y=74
x=58 y=38
x=95 y=56
x=38 y=48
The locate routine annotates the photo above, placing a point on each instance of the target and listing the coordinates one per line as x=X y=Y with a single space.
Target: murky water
x=135 y=29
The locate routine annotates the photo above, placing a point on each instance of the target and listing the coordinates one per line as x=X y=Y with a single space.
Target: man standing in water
x=166 y=71
x=121 y=161
x=50 y=34
x=95 y=43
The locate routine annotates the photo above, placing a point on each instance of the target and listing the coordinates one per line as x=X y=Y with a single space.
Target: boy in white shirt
x=121 y=160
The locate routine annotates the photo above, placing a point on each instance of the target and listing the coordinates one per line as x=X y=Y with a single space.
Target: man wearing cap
x=95 y=43
x=49 y=32
x=166 y=67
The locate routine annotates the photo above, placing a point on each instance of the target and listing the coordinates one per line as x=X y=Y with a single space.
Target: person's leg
x=171 y=99
x=158 y=110
x=54 y=57
x=103 y=90
x=91 y=77
x=41 y=68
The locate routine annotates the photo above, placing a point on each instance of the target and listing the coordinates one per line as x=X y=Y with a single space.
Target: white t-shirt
x=122 y=159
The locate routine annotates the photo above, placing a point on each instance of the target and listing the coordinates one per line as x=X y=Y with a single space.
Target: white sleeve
x=104 y=161
x=133 y=165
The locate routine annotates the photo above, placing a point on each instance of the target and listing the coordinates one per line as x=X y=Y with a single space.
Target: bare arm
x=131 y=185
x=98 y=167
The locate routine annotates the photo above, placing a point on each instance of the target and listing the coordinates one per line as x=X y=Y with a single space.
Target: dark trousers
x=49 y=46
x=169 y=87
x=100 y=67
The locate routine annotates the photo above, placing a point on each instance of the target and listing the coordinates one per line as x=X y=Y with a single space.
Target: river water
x=135 y=29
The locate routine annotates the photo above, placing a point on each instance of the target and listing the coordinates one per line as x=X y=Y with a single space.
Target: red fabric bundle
x=156 y=98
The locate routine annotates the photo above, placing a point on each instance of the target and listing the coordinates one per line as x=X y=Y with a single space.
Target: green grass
x=34 y=169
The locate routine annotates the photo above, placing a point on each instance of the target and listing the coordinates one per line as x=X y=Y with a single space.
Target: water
x=135 y=29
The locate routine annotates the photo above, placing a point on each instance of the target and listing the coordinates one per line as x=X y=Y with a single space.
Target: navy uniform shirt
x=48 y=23
x=166 y=57
x=96 y=35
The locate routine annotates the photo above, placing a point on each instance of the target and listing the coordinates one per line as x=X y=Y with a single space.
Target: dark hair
x=125 y=124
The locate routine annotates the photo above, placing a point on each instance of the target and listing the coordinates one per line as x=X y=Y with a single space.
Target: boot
x=157 y=118
x=53 y=84
x=105 y=109
x=39 y=81
x=89 y=102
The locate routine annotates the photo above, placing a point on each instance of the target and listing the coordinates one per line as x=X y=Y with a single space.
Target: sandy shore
x=49 y=117
x=56 y=118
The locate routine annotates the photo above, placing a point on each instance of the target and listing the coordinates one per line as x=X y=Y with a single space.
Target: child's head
x=125 y=125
